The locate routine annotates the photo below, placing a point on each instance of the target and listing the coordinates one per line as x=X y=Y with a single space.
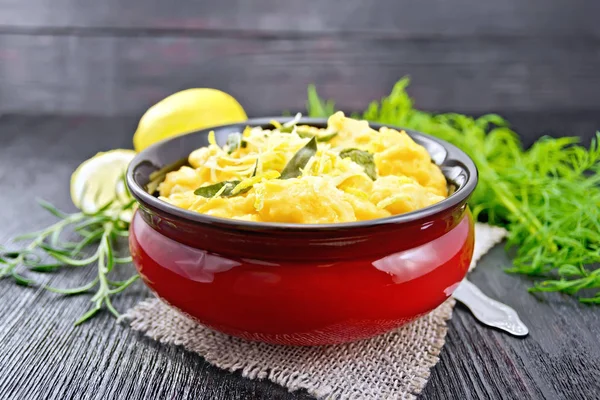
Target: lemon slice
x=184 y=112
x=99 y=180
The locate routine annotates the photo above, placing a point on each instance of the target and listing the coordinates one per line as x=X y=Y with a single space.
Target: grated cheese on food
x=327 y=187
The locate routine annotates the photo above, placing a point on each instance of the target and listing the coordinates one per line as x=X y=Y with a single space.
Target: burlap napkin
x=391 y=366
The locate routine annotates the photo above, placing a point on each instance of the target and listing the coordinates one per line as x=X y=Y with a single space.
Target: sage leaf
x=211 y=190
x=362 y=158
x=320 y=139
x=326 y=138
x=304 y=134
x=293 y=169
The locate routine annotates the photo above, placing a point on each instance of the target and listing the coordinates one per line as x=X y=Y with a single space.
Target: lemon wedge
x=99 y=180
x=186 y=111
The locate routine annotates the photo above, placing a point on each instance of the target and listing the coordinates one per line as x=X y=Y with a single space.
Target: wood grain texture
x=43 y=356
x=117 y=57
x=395 y=18
x=126 y=75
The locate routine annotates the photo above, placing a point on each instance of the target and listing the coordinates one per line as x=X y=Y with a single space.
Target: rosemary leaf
x=98 y=229
x=45 y=267
x=72 y=291
x=88 y=315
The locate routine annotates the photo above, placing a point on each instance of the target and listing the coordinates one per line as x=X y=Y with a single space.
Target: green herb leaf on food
x=326 y=138
x=547 y=196
x=362 y=158
x=223 y=189
x=293 y=168
x=234 y=142
x=320 y=139
x=158 y=176
x=304 y=134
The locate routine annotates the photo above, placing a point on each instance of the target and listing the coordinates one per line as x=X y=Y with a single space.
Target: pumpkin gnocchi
x=301 y=174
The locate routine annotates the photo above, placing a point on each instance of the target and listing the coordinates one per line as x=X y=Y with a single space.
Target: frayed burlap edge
x=162 y=323
x=416 y=350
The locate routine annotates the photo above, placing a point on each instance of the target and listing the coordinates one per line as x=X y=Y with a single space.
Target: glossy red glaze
x=303 y=287
x=301 y=284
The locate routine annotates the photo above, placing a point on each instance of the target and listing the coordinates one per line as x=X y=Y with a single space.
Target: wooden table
x=42 y=356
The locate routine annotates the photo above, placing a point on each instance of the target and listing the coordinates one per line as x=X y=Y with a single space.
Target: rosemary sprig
x=101 y=228
x=11 y=260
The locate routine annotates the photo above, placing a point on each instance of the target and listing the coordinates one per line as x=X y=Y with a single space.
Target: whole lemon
x=184 y=112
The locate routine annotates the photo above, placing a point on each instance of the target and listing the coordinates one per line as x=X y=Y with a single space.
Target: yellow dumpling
x=299 y=174
x=350 y=132
x=401 y=194
x=184 y=180
x=238 y=207
x=397 y=154
x=310 y=200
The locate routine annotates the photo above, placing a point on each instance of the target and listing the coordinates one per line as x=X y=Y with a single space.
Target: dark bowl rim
x=455 y=199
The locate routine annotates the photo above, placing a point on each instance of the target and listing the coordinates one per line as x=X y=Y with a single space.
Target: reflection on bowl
x=301 y=284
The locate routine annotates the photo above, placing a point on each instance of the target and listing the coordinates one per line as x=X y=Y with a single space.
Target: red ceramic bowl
x=301 y=284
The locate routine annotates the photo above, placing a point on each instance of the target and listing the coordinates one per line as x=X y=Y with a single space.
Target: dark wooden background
x=80 y=73
x=117 y=57
x=42 y=356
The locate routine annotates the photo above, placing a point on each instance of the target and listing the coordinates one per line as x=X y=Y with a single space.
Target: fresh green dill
x=547 y=196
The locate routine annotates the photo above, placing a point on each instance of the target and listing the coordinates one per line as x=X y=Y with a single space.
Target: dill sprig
x=102 y=228
x=548 y=196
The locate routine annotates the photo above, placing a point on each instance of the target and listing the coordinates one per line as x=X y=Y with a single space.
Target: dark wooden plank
x=531 y=126
x=43 y=356
x=558 y=360
x=388 y=17
x=125 y=75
